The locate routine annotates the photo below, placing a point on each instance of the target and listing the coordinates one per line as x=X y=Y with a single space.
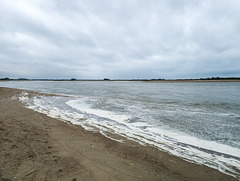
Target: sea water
x=197 y=121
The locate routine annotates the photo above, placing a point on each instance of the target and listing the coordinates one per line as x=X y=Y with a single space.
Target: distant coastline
x=199 y=80
x=212 y=79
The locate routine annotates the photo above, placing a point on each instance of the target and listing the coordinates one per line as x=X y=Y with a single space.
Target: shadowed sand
x=34 y=146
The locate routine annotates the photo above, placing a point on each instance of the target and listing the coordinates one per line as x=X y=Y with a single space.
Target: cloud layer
x=119 y=39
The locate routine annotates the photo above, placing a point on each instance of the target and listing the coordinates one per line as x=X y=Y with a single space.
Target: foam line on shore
x=176 y=143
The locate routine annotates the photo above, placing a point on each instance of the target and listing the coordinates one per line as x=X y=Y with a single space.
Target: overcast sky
x=119 y=38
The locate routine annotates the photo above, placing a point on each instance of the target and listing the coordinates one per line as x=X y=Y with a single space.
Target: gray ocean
x=197 y=121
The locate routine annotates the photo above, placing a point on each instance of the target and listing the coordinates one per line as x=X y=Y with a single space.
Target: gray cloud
x=119 y=39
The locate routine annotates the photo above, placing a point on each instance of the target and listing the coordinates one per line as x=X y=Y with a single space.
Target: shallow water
x=199 y=122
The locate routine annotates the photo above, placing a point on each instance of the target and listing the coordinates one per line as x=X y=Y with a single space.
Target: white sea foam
x=216 y=155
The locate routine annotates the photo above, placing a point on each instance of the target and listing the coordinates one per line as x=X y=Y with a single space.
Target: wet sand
x=34 y=146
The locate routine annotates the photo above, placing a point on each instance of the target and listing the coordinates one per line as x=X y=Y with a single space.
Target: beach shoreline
x=37 y=147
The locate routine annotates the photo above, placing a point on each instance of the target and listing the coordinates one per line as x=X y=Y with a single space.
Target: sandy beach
x=34 y=146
